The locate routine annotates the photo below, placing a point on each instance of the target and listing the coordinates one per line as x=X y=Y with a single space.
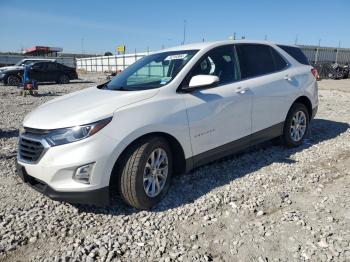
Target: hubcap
x=156 y=172
x=298 y=126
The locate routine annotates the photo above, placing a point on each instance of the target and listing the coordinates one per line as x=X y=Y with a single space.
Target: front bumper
x=53 y=173
x=98 y=197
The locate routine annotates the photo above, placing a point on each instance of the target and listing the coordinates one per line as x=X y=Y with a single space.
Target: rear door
x=269 y=77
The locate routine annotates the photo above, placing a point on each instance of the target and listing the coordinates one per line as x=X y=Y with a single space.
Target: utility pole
x=265 y=37
x=184 y=36
x=82 y=46
x=336 y=56
x=296 y=39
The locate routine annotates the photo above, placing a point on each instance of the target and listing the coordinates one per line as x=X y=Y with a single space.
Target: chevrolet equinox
x=167 y=113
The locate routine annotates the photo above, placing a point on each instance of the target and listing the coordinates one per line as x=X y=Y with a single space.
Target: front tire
x=145 y=173
x=296 y=125
x=13 y=80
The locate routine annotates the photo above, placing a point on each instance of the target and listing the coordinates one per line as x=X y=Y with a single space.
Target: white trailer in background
x=108 y=63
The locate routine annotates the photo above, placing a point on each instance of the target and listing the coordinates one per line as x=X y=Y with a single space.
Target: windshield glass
x=20 y=63
x=152 y=71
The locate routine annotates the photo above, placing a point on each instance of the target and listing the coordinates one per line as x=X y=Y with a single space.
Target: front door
x=37 y=72
x=51 y=73
x=219 y=115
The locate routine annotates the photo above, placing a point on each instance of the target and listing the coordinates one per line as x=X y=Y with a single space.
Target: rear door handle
x=241 y=90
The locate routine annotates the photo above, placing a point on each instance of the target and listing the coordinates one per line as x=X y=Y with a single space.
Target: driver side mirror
x=202 y=82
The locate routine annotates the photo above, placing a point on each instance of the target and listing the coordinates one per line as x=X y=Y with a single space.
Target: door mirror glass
x=203 y=81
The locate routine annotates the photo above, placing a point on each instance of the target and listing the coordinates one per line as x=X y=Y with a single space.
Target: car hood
x=10 y=68
x=82 y=107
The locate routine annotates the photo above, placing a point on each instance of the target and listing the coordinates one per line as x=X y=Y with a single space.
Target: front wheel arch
x=179 y=161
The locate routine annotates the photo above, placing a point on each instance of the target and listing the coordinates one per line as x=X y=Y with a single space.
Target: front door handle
x=241 y=90
x=288 y=78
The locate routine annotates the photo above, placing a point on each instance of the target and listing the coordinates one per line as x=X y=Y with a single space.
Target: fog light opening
x=83 y=173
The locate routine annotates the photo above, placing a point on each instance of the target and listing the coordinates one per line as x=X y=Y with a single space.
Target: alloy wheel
x=155 y=172
x=298 y=126
x=13 y=80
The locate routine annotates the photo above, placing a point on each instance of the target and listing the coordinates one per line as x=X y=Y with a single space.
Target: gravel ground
x=268 y=204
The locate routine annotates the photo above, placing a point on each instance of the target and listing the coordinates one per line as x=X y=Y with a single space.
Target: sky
x=96 y=27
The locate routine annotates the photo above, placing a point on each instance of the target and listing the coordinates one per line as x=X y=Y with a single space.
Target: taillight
x=315 y=73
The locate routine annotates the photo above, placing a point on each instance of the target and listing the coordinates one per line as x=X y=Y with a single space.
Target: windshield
x=20 y=63
x=152 y=71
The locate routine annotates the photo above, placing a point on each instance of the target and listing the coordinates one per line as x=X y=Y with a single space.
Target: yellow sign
x=121 y=48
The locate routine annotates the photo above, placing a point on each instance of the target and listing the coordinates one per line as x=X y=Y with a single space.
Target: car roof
x=208 y=45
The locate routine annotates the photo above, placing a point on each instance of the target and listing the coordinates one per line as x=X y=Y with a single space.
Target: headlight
x=68 y=135
x=2 y=75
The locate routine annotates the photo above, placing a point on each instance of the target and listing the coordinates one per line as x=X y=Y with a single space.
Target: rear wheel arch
x=306 y=102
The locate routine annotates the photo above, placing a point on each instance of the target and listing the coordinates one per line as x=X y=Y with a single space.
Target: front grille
x=30 y=150
x=34 y=131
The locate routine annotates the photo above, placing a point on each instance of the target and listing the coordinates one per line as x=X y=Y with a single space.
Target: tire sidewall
x=286 y=131
x=14 y=76
x=142 y=197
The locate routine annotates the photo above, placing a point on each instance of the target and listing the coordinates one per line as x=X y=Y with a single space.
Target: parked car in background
x=41 y=72
x=24 y=62
x=169 y=112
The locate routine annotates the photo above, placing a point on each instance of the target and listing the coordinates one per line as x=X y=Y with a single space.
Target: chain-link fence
x=6 y=60
x=321 y=55
x=316 y=55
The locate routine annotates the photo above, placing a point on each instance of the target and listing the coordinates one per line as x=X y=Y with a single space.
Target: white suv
x=168 y=113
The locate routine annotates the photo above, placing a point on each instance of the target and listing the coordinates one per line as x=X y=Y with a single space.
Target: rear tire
x=63 y=79
x=143 y=183
x=296 y=125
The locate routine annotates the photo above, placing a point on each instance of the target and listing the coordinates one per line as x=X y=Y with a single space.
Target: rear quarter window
x=296 y=53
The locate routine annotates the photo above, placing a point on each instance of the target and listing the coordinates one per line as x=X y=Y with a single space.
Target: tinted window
x=51 y=66
x=255 y=60
x=38 y=66
x=279 y=62
x=61 y=67
x=219 y=62
x=296 y=53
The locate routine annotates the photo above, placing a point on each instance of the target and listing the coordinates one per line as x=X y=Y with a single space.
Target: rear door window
x=279 y=62
x=255 y=60
x=296 y=53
